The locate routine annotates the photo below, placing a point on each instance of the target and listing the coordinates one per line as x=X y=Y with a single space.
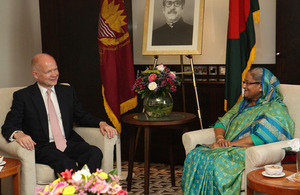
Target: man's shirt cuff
x=11 y=138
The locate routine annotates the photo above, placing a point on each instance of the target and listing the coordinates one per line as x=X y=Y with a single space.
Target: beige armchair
x=33 y=174
x=256 y=156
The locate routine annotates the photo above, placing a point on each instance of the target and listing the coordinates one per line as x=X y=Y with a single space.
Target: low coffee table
x=260 y=183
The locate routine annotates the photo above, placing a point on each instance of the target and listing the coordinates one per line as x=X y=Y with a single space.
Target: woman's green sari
x=219 y=171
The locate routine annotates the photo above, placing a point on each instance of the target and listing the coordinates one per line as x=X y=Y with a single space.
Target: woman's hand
x=214 y=145
x=223 y=143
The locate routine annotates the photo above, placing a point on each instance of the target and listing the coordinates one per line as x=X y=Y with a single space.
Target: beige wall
x=20 y=39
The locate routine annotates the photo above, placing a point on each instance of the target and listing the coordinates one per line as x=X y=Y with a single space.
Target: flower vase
x=158 y=105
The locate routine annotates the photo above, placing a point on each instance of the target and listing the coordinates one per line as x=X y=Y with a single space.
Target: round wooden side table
x=12 y=168
x=176 y=121
x=260 y=183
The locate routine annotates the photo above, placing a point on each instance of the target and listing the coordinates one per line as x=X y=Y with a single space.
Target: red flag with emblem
x=116 y=63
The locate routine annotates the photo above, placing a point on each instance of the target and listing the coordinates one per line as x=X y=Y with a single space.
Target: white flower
x=117 y=188
x=78 y=175
x=152 y=86
x=160 y=67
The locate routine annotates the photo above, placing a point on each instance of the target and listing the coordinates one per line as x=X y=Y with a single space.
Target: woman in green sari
x=259 y=118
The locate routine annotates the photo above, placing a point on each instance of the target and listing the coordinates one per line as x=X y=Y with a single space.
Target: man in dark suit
x=42 y=116
x=175 y=31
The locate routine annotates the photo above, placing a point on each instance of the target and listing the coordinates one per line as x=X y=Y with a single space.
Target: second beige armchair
x=257 y=156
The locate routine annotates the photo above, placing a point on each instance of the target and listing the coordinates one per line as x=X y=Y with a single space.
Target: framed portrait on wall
x=173 y=27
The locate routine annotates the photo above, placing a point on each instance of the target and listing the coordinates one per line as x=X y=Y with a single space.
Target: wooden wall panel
x=288 y=41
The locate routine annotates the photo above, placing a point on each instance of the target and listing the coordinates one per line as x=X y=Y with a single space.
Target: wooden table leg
x=16 y=183
x=146 y=160
x=171 y=161
x=249 y=191
x=130 y=159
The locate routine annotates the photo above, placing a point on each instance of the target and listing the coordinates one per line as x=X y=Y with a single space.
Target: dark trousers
x=75 y=156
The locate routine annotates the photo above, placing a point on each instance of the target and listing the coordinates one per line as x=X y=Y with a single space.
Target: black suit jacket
x=180 y=34
x=28 y=113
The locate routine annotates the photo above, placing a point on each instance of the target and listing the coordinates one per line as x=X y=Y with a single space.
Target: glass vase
x=158 y=105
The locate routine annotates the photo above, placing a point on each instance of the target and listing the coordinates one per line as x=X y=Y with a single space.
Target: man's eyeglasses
x=248 y=83
x=175 y=3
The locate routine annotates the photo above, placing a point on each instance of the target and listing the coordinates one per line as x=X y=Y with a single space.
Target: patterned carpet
x=160 y=179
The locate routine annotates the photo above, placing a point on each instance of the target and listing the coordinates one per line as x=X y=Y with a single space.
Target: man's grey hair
x=183 y=2
x=256 y=73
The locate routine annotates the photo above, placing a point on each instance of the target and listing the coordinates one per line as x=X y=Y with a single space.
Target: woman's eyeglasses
x=249 y=83
x=175 y=3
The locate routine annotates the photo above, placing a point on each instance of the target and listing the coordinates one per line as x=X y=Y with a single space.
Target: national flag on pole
x=241 y=47
x=116 y=62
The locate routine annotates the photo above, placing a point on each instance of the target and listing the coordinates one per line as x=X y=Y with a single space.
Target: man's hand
x=104 y=127
x=24 y=140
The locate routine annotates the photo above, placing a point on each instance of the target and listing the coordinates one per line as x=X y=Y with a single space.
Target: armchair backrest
x=6 y=96
x=291 y=97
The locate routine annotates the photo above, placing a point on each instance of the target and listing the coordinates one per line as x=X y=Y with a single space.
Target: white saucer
x=267 y=175
x=3 y=163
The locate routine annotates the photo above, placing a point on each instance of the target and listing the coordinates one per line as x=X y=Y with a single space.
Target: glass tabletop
x=171 y=117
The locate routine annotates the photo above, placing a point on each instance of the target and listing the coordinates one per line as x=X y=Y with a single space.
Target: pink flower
x=172 y=75
x=59 y=188
x=67 y=174
x=99 y=188
x=167 y=69
x=138 y=81
x=122 y=192
x=173 y=89
x=142 y=86
x=164 y=83
x=152 y=77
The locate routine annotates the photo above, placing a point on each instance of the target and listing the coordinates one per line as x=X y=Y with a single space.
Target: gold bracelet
x=219 y=136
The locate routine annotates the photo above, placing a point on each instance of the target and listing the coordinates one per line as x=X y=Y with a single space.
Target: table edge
x=128 y=119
